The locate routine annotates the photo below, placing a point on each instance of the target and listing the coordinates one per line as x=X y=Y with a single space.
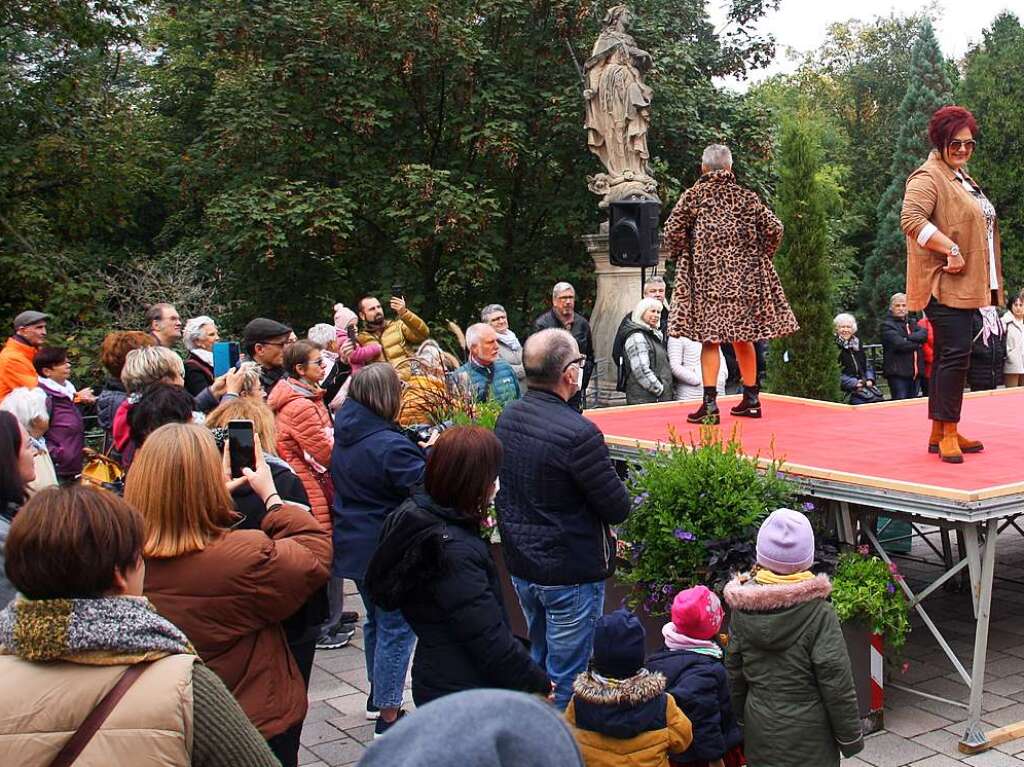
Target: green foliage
x=683 y=497
x=993 y=89
x=804 y=364
x=928 y=89
x=865 y=590
x=478 y=414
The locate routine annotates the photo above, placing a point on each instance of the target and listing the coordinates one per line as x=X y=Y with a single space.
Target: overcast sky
x=801 y=24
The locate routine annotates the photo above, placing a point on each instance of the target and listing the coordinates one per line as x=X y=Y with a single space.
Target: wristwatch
x=955 y=251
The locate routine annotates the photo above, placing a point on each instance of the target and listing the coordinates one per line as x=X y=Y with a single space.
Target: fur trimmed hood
x=742 y=593
x=638 y=689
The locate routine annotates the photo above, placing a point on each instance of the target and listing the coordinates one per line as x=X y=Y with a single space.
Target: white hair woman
x=509 y=347
x=29 y=407
x=648 y=372
x=200 y=334
x=856 y=374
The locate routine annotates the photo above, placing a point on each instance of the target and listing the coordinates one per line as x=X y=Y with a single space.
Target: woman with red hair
x=953 y=266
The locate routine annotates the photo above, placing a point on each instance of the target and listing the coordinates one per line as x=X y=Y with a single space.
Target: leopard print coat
x=726 y=289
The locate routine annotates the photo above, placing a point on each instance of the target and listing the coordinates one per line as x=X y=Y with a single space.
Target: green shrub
x=684 y=497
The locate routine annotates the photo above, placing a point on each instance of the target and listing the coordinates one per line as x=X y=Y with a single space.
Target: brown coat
x=935 y=195
x=723 y=239
x=304 y=427
x=230 y=599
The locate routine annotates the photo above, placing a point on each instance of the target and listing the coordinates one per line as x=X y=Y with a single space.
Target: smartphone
x=225 y=357
x=241 y=446
x=351 y=332
x=397 y=291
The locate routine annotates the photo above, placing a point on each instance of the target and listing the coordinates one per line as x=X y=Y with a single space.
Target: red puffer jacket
x=305 y=437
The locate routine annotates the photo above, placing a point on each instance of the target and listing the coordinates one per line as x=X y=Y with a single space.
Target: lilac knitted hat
x=785 y=542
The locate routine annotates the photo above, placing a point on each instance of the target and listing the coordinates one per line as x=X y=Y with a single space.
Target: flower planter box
x=869 y=696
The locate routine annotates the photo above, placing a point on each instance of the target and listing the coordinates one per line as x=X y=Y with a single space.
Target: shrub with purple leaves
x=684 y=497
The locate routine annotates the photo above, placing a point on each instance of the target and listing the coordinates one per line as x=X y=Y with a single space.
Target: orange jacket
x=304 y=429
x=16 y=367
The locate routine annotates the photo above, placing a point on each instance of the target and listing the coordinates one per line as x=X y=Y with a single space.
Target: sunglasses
x=956 y=145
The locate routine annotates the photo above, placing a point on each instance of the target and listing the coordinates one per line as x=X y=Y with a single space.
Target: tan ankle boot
x=966 y=445
x=949 y=445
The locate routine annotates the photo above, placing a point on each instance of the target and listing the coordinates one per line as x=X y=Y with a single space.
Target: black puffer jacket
x=559 y=493
x=987 y=359
x=901 y=342
x=433 y=565
x=700 y=685
x=580 y=330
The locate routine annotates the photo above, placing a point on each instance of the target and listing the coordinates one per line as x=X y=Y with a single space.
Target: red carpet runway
x=882 y=446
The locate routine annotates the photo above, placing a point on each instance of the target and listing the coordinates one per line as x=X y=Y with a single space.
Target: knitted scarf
x=509 y=339
x=768 y=578
x=108 y=631
x=852 y=343
x=676 y=640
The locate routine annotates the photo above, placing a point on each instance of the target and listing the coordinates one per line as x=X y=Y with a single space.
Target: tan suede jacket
x=935 y=194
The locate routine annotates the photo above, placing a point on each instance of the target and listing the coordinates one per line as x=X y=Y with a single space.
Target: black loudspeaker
x=633 y=233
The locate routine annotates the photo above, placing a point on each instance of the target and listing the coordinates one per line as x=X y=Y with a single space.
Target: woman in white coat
x=1013 y=320
x=684 y=359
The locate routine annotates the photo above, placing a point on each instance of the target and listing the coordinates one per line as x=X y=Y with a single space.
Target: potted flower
x=685 y=498
x=875 y=617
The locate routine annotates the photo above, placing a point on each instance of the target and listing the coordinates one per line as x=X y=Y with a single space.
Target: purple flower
x=808 y=506
x=779 y=475
x=666 y=589
x=863 y=550
x=684 y=535
x=890 y=587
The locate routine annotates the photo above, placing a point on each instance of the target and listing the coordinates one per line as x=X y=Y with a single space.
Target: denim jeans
x=388 y=642
x=902 y=388
x=560 y=621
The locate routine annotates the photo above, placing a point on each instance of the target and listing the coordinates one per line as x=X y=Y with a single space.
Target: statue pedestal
x=618 y=290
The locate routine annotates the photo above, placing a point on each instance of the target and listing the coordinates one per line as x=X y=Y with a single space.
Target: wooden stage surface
x=878 y=447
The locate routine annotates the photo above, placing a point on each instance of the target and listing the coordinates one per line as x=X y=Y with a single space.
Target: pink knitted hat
x=697 y=612
x=785 y=542
x=342 y=317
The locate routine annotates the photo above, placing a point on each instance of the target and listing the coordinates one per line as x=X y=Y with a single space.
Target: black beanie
x=618 y=645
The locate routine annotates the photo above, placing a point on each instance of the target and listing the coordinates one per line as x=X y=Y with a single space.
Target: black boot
x=708 y=412
x=750 y=405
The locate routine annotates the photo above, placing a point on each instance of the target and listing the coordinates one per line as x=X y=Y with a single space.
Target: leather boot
x=949 y=446
x=708 y=411
x=966 y=445
x=750 y=405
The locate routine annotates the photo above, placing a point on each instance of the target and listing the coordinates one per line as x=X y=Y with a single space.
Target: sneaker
x=382 y=727
x=334 y=639
x=372 y=712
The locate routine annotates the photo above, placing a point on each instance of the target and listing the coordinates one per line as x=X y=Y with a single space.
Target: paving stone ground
x=919 y=732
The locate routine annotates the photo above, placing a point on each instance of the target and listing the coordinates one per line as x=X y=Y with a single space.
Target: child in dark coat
x=692 y=665
x=620 y=712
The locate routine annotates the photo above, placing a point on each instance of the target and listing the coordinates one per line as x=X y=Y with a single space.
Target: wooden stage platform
x=872 y=459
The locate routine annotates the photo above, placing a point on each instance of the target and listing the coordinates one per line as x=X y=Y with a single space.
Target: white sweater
x=684 y=359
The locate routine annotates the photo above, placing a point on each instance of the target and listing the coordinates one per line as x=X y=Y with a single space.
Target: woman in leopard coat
x=727 y=291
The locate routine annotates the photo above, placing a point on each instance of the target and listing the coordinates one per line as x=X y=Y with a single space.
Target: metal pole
x=982 y=591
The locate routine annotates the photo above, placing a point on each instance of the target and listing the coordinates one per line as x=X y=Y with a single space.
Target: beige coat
x=1014 y=364
x=151 y=725
x=935 y=195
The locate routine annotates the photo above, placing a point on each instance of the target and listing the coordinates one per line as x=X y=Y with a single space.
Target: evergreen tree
x=805 y=364
x=993 y=89
x=928 y=89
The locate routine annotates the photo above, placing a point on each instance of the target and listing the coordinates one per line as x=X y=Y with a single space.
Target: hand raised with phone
x=261 y=480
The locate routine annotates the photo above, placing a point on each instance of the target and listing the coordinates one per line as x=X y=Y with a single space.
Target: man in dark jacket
x=559 y=494
x=563 y=315
x=902 y=341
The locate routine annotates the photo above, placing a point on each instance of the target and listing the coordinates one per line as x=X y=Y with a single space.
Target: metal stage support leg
x=974 y=739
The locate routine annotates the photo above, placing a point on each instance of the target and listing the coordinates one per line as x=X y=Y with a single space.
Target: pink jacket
x=355 y=355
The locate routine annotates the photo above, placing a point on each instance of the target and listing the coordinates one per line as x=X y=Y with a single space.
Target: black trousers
x=952 y=328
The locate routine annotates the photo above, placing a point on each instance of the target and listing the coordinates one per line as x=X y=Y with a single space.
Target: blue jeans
x=560 y=621
x=902 y=388
x=387 y=642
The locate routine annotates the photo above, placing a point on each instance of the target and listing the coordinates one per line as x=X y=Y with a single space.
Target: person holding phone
x=399 y=337
x=351 y=351
x=200 y=334
x=229 y=589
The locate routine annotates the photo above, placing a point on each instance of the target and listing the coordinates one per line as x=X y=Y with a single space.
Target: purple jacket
x=65 y=439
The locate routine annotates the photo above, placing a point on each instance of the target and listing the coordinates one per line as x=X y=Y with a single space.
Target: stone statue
x=618 y=111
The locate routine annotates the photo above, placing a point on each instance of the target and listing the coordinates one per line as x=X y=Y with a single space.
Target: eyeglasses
x=578 y=361
x=319 y=361
x=956 y=145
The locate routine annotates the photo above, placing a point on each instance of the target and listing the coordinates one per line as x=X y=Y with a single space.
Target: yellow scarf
x=768 y=578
